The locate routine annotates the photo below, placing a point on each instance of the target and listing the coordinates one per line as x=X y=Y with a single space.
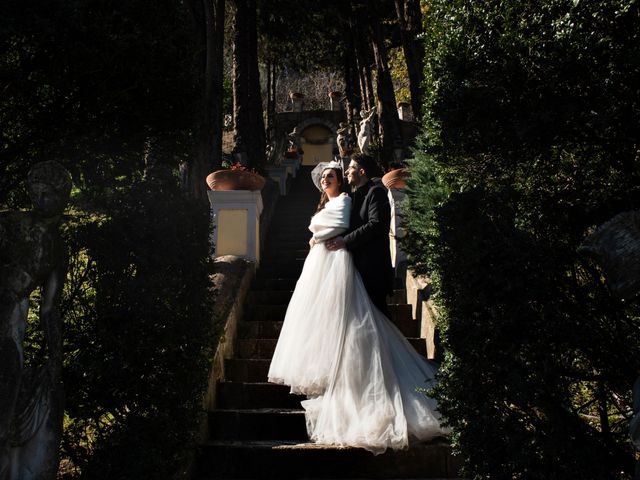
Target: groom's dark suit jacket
x=368 y=241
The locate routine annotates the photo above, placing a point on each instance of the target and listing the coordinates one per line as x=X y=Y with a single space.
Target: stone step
x=256 y=348
x=275 y=269
x=276 y=237
x=280 y=271
x=400 y=316
x=285 y=256
x=271 y=328
x=291 y=459
x=269 y=297
x=287 y=245
x=284 y=262
x=407 y=325
x=294 y=219
x=296 y=202
x=259 y=329
x=258 y=424
x=400 y=310
x=246 y=369
x=244 y=395
x=257 y=312
x=287 y=214
x=263 y=348
x=291 y=223
x=295 y=207
x=398 y=297
x=271 y=283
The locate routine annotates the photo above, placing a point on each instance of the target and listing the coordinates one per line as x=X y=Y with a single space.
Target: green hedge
x=139 y=334
x=530 y=142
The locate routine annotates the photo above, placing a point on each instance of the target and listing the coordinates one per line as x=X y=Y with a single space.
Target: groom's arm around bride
x=368 y=235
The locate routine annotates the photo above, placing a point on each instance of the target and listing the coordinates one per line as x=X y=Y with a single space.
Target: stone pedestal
x=424 y=311
x=396 y=232
x=280 y=173
x=404 y=111
x=334 y=101
x=297 y=101
x=294 y=163
x=236 y=223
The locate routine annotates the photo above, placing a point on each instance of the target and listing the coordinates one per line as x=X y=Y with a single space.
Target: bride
x=365 y=383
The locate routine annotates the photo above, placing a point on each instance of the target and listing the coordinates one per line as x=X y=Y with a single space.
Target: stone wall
x=424 y=311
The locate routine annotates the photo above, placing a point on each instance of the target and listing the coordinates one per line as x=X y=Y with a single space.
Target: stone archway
x=317 y=144
x=317 y=139
x=327 y=122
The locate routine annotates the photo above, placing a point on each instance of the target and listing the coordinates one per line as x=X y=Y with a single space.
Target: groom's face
x=355 y=174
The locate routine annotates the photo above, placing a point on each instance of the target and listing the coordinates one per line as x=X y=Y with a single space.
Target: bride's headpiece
x=316 y=173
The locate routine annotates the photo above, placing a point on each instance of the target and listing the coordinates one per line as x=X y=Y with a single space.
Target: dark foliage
x=301 y=37
x=88 y=82
x=529 y=121
x=138 y=335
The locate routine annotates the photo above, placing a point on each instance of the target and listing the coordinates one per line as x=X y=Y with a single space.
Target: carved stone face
x=49 y=185
x=47 y=200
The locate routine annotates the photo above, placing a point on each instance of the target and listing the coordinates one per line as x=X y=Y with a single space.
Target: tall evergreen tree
x=209 y=18
x=410 y=25
x=249 y=135
x=528 y=146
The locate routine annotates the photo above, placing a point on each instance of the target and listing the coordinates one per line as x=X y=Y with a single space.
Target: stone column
x=298 y=100
x=396 y=232
x=404 y=111
x=280 y=173
x=236 y=223
x=334 y=101
x=293 y=164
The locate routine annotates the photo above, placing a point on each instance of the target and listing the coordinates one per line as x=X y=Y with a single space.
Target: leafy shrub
x=528 y=146
x=139 y=335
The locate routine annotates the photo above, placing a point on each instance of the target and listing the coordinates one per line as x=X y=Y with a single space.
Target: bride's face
x=330 y=182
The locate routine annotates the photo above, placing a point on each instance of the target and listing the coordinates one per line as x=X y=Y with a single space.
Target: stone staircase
x=258 y=429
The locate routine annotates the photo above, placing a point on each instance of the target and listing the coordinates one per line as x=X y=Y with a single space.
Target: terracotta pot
x=396 y=178
x=290 y=154
x=235 y=180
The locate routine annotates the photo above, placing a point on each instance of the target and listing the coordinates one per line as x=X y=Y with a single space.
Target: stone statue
x=615 y=245
x=32 y=255
x=269 y=152
x=239 y=152
x=343 y=139
x=295 y=143
x=634 y=426
x=365 y=131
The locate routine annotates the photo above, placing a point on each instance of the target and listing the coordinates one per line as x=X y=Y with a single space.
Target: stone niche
x=318 y=143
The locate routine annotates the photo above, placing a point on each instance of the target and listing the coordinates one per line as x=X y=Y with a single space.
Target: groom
x=368 y=235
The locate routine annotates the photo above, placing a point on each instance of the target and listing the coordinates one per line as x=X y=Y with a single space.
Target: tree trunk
x=353 y=97
x=271 y=139
x=208 y=18
x=410 y=22
x=240 y=71
x=249 y=135
x=257 y=141
x=387 y=112
x=269 y=103
x=363 y=55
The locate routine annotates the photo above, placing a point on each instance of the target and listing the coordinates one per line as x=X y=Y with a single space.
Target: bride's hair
x=324 y=198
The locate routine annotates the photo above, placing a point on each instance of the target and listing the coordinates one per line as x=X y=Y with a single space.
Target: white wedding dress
x=358 y=370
